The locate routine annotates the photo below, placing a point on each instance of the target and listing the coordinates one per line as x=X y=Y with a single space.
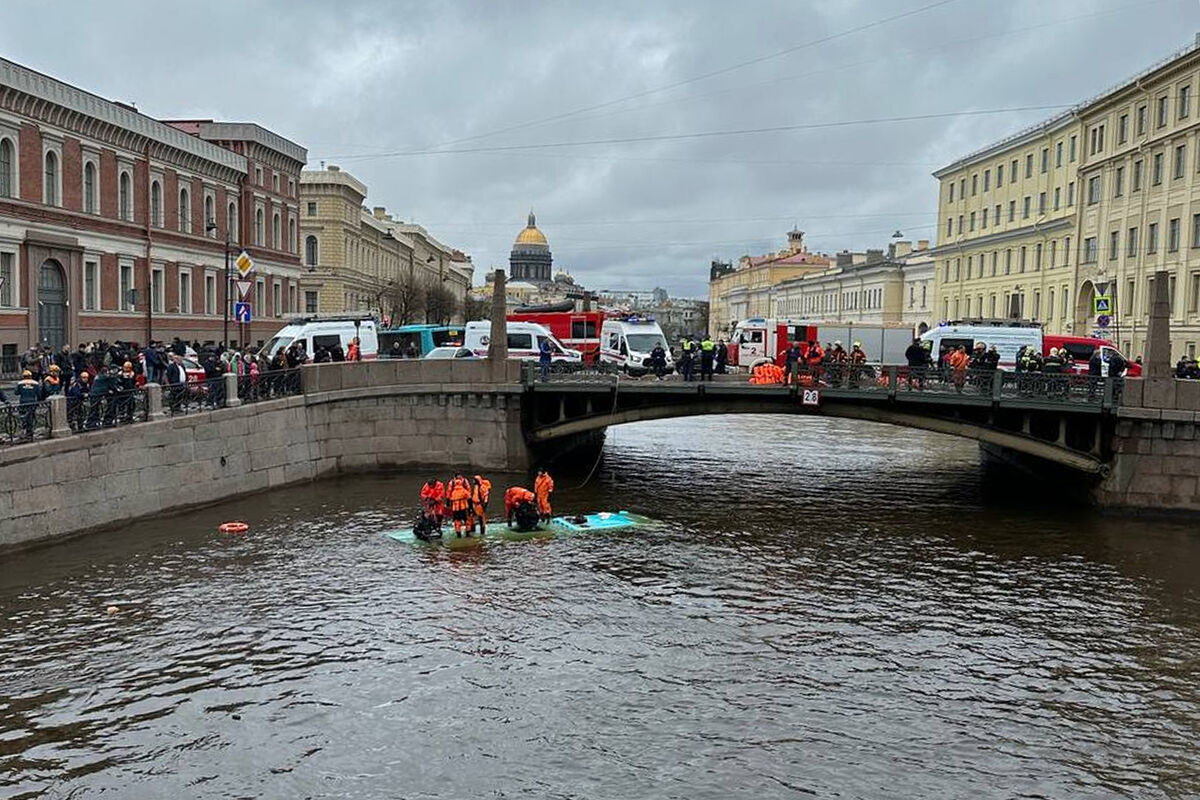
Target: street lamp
x=209 y=227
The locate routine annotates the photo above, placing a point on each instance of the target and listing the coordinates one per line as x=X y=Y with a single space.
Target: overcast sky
x=375 y=86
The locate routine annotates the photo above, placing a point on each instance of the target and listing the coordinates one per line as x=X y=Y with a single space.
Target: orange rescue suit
x=459 y=493
x=543 y=485
x=481 y=492
x=515 y=496
x=433 y=496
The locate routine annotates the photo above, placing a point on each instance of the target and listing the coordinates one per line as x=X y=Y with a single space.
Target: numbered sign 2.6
x=810 y=397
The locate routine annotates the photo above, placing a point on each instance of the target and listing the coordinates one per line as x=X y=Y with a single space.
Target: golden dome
x=531 y=234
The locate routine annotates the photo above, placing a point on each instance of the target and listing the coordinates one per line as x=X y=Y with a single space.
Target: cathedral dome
x=531 y=235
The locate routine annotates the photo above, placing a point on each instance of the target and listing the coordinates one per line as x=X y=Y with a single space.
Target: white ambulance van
x=524 y=341
x=325 y=331
x=627 y=342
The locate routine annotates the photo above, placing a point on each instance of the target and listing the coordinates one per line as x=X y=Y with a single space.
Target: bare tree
x=477 y=309
x=440 y=304
x=406 y=298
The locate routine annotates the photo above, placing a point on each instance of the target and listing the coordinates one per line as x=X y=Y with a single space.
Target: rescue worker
x=53 y=384
x=433 y=499
x=458 y=492
x=658 y=361
x=520 y=509
x=29 y=392
x=858 y=363
x=481 y=492
x=543 y=485
x=1053 y=367
x=836 y=358
x=722 y=356
x=707 y=351
x=352 y=352
x=792 y=357
x=957 y=363
x=813 y=358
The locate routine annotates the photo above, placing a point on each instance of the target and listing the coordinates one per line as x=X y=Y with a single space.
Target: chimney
x=379 y=212
x=901 y=249
x=845 y=258
x=874 y=256
x=922 y=244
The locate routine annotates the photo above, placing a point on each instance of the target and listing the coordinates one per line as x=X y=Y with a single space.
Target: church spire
x=532 y=220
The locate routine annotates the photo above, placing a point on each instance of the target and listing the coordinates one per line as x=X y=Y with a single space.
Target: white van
x=325 y=331
x=524 y=341
x=628 y=341
x=1008 y=339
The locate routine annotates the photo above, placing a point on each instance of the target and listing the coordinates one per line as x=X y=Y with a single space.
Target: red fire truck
x=578 y=330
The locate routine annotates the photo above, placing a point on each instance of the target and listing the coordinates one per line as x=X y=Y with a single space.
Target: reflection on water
x=828 y=608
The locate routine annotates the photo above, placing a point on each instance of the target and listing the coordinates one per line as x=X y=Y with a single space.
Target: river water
x=828 y=608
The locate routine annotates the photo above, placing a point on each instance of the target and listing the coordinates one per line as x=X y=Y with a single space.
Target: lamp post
x=209 y=227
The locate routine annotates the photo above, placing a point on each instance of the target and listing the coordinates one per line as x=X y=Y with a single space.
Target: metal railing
x=24 y=422
x=93 y=412
x=269 y=385
x=192 y=398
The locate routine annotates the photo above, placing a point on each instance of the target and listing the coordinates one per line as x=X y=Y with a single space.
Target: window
x=1045 y=159
x=210 y=293
x=1050 y=305
x=1067 y=251
x=275 y=232
x=275 y=181
x=291 y=307
x=1012 y=171
x=1093 y=190
x=91 y=285
x=8 y=164
x=277 y=298
x=996 y=215
x=51 y=185
x=1114 y=245
x=1184 y=105
x=1097 y=142
x=1131 y=243
x=1142 y=116
x=1194 y=303
x=1119 y=182
x=1128 y=304
x=90 y=206
x=1007 y=262
x=949 y=232
x=1173 y=235
x=312 y=207
x=1073 y=138
x=983 y=222
x=1160 y=116
x=1053 y=252
x=125 y=301
x=1152 y=238
x=1123 y=129
x=156 y=211
x=972 y=221
x=258 y=180
x=960 y=224
x=1037 y=258
x=157 y=285
x=1025 y=206
x=1057 y=197
x=999 y=175
x=231 y=222
x=210 y=216
x=1021 y=260
x=310 y=302
x=1012 y=210
x=1041 y=203
x=1089 y=250
x=1037 y=304
x=125 y=197
x=992 y=306
x=8 y=275
x=260 y=295
x=1071 y=193
x=995 y=259
x=1058 y=154
x=185 y=211
x=962 y=188
x=185 y=291
x=1179 y=160
x=258 y=226
x=974 y=184
x=1195 y=230
x=1137 y=176
x=1029 y=165
x=292 y=235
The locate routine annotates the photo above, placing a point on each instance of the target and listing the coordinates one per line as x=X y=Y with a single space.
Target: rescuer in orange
x=433 y=499
x=481 y=492
x=520 y=508
x=543 y=485
x=459 y=493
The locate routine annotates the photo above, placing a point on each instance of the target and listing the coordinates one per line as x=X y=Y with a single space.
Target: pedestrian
x=917 y=358
x=176 y=382
x=658 y=360
x=722 y=356
x=77 y=394
x=29 y=392
x=544 y=358
x=53 y=384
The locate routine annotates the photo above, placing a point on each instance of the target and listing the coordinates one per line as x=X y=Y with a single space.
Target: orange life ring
x=233 y=527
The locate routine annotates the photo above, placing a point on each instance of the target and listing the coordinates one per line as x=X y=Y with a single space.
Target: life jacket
x=481 y=491
x=515 y=495
x=858 y=357
x=815 y=355
x=459 y=493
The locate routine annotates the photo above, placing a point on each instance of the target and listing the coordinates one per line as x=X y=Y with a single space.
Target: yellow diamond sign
x=244 y=264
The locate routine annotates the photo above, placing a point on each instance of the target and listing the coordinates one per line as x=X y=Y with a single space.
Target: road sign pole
x=225 y=334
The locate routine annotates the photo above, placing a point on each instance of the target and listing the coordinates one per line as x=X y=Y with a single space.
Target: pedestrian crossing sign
x=1102 y=304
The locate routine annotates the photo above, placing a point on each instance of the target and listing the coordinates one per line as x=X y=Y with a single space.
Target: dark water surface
x=829 y=609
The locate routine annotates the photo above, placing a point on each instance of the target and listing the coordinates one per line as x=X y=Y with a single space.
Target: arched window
x=291 y=235
x=124 y=197
x=231 y=222
x=210 y=216
x=258 y=226
x=275 y=231
x=7 y=172
x=51 y=186
x=89 y=188
x=311 y=252
x=156 y=210
x=185 y=211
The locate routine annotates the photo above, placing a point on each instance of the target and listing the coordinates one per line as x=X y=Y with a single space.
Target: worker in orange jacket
x=433 y=499
x=458 y=492
x=515 y=498
x=543 y=485
x=481 y=492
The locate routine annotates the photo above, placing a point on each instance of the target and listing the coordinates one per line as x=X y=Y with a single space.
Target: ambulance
x=628 y=340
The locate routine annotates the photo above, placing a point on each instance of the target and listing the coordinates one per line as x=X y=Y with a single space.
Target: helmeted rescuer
x=433 y=499
x=481 y=492
x=458 y=492
x=520 y=508
x=543 y=485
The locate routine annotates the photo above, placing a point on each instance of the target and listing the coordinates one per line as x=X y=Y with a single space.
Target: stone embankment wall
x=350 y=417
x=1156 y=448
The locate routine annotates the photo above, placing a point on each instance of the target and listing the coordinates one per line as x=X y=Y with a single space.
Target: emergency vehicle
x=628 y=340
x=1010 y=336
x=578 y=330
x=758 y=340
x=524 y=341
x=317 y=330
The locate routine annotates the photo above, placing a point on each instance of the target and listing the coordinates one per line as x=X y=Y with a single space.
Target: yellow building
x=1103 y=196
x=746 y=291
x=360 y=260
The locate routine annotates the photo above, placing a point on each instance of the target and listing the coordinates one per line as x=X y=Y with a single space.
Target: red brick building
x=113 y=225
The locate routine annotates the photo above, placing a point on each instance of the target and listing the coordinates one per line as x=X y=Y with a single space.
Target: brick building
x=113 y=225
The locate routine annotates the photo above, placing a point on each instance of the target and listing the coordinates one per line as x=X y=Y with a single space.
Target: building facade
x=366 y=260
x=737 y=293
x=1104 y=196
x=113 y=225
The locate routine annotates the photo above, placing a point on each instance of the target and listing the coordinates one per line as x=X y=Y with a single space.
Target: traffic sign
x=244 y=264
x=241 y=312
x=244 y=288
x=1102 y=304
x=1103 y=321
